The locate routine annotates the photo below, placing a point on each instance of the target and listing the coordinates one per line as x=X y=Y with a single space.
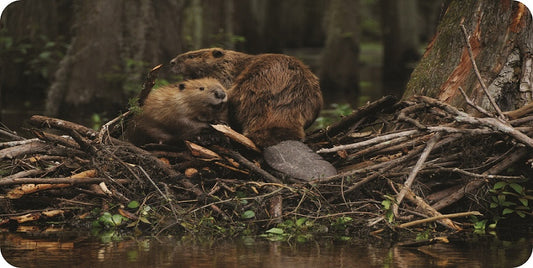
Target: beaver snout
x=219 y=94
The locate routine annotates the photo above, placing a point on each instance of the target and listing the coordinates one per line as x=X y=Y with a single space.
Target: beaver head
x=205 y=93
x=224 y=65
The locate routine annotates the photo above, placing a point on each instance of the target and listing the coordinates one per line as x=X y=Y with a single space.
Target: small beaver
x=179 y=111
x=272 y=99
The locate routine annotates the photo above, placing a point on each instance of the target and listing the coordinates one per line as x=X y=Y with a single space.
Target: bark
x=501 y=39
x=339 y=74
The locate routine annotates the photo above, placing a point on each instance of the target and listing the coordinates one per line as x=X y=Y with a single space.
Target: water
x=25 y=250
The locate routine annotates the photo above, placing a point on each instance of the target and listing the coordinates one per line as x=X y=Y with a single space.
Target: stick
x=469 y=102
x=247 y=163
x=426 y=209
x=493 y=123
x=369 y=142
x=407 y=185
x=105 y=128
x=476 y=70
x=453 y=215
x=69 y=181
x=475 y=184
x=148 y=84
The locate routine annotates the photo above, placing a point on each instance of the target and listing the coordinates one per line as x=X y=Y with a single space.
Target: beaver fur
x=272 y=97
x=179 y=111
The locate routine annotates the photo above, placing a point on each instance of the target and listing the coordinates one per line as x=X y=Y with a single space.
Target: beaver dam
x=405 y=167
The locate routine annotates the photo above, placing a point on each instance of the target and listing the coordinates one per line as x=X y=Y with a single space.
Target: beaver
x=179 y=111
x=272 y=97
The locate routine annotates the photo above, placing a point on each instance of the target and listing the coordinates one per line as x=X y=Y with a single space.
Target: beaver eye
x=201 y=88
x=217 y=53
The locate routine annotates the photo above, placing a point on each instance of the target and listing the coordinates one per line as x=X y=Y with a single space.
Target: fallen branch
x=414 y=172
x=446 y=216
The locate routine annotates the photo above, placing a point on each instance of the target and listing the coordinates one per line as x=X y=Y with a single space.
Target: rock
x=296 y=159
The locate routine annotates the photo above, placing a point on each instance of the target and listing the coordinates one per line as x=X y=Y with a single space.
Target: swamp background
x=83 y=60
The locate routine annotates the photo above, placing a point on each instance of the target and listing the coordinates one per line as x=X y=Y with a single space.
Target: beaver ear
x=181 y=86
x=217 y=53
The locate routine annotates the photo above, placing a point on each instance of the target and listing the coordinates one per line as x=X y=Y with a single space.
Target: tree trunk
x=400 y=43
x=339 y=74
x=32 y=40
x=501 y=37
x=114 y=43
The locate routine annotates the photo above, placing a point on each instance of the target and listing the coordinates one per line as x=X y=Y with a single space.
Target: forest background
x=83 y=60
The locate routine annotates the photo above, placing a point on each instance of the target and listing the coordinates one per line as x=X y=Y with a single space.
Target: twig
x=148 y=84
x=475 y=184
x=69 y=181
x=105 y=128
x=8 y=144
x=493 y=123
x=469 y=102
x=476 y=70
x=407 y=185
x=11 y=135
x=369 y=142
x=425 y=208
x=446 y=216
x=247 y=163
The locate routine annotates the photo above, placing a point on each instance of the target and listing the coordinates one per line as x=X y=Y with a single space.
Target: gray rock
x=296 y=159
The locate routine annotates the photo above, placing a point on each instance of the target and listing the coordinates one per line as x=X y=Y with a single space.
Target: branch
x=476 y=70
x=453 y=215
x=414 y=172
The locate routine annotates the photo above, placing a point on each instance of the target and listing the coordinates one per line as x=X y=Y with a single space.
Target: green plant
x=387 y=207
x=509 y=198
x=106 y=220
x=329 y=116
x=298 y=229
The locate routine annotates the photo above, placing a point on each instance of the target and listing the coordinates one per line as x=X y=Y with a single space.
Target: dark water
x=24 y=250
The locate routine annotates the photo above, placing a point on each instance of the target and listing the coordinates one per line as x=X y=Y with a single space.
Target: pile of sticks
x=421 y=150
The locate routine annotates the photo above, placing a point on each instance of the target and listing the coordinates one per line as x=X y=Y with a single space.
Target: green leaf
x=508 y=204
x=493 y=205
x=523 y=201
x=117 y=219
x=507 y=211
x=301 y=221
x=133 y=204
x=145 y=220
x=499 y=185
x=386 y=204
x=345 y=238
x=248 y=214
x=521 y=214
x=516 y=187
x=275 y=231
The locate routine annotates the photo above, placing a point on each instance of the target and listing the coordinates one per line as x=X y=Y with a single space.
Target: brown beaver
x=179 y=111
x=272 y=97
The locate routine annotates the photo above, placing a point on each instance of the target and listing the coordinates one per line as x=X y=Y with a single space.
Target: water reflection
x=23 y=250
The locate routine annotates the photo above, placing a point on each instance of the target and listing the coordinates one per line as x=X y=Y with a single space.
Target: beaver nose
x=220 y=94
